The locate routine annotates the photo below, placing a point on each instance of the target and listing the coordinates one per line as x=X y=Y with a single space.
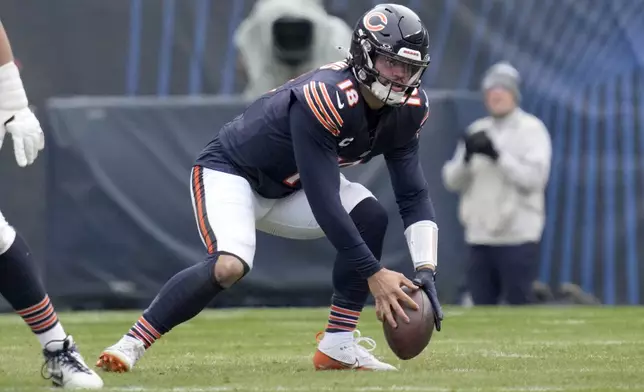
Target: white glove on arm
x=17 y=119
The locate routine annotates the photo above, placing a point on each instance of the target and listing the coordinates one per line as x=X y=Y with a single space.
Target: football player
x=20 y=284
x=276 y=168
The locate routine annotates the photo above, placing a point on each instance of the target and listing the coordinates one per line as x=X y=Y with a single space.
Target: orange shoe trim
x=111 y=363
x=321 y=361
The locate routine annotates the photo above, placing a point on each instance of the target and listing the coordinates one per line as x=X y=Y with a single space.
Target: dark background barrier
x=582 y=74
x=120 y=220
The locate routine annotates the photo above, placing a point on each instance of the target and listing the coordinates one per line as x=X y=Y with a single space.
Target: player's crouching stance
x=19 y=281
x=294 y=138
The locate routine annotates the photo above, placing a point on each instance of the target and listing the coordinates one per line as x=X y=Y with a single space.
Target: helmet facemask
x=391 y=77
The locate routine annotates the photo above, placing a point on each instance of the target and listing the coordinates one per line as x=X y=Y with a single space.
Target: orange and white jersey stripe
x=418 y=107
x=319 y=99
x=414 y=99
x=426 y=116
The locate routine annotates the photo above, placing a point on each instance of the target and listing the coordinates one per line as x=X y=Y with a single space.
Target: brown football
x=409 y=340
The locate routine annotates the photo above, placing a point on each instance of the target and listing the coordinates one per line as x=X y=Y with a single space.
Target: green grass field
x=496 y=349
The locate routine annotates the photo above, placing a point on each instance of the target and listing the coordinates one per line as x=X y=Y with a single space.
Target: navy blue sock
x=21 y=286
x=350 y=289
x=183 y=297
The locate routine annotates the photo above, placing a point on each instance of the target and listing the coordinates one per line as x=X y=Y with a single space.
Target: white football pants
x=7 y=234
x=228 y=212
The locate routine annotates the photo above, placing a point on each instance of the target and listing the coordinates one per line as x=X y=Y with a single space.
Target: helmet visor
x=397 y=71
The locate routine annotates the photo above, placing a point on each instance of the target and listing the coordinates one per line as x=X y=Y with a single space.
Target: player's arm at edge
x=15 y=116
x=6 y=55
x=12 y=92
x=317 y=162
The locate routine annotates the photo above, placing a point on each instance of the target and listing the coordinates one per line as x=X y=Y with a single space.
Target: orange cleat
x=347 y=355
x=122 y=356
x=111 y=363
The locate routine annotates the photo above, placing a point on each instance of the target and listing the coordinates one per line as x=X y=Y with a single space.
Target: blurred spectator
x=282 y=39
x=500 y=170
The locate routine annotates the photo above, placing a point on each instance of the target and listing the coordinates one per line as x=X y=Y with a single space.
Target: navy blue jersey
x=299 y=135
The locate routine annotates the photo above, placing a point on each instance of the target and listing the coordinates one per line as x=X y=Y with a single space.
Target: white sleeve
x=422 y=239
x=530 y=171
x=13 y=97
x=456 y=174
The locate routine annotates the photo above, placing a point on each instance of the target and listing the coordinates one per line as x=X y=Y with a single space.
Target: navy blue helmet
x=394 y=35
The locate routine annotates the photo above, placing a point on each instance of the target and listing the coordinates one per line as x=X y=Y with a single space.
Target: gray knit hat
x=503 y=75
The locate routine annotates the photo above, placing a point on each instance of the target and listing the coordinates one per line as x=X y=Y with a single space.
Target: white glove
x=17 y=119
x=27 y=135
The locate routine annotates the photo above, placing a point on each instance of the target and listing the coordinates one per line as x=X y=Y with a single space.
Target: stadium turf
x=495 y=349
